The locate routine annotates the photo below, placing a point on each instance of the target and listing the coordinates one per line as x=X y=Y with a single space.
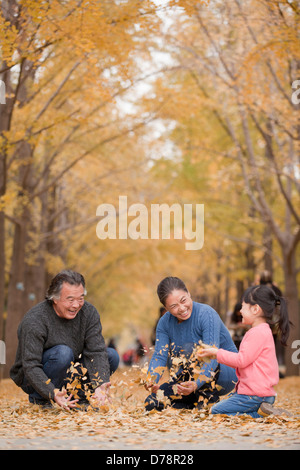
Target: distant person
x=236 y=325
x=266 y=279
x=112 y=343
x=135 y=354
x=62 y=329
x=161 y=312
x=140 y=350
x=256 y=364
x=179 y=331
x=128 y=357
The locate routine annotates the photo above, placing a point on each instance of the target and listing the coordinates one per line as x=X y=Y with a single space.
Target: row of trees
x=64 y=65
x=171 y=101
x=236 y=121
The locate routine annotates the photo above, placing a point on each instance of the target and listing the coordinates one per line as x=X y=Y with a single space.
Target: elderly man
x=61 y=330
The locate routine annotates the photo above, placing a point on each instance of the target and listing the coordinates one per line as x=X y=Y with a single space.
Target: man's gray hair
x=68 y=276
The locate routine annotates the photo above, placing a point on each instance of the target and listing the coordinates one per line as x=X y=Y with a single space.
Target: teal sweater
x=204 y=324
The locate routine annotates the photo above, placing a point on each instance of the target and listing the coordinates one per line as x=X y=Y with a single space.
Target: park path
x=125 y=426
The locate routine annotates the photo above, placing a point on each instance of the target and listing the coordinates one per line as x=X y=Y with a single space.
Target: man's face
x=70 y=302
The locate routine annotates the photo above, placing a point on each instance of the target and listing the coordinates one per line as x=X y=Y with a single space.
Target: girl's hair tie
x=277 y=300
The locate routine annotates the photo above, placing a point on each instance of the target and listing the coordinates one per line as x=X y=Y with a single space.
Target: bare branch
x=53 y=96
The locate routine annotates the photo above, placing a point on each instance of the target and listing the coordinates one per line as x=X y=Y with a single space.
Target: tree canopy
x=164 y=102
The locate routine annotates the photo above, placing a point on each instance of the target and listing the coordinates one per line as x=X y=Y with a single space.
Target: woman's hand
x=186 y=388
x=207 y=352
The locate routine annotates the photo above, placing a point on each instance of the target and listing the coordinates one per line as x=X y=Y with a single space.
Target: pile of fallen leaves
x=125 y=423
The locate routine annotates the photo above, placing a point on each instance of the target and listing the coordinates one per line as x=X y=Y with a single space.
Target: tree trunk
x=2 y=243
x=16 y=293
x=6 y=110
x=268 y=249
x=291 y=294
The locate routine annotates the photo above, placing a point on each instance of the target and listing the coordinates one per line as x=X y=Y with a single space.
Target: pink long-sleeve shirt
x=256 y=363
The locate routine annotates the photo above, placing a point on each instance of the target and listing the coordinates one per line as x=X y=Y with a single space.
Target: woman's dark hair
x=70 y=277
x=270 y=302
x=167 y=285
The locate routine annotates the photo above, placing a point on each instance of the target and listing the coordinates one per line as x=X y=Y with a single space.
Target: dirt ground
x=125 y=425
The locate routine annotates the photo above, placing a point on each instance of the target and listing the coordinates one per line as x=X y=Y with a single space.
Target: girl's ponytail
x=283 y=322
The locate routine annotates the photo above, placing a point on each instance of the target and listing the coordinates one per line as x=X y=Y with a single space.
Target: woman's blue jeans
x=185 y=373
x=241 y=404
x=56 y=362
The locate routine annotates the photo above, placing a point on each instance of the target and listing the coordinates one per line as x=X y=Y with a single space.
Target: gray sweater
x=41 y=329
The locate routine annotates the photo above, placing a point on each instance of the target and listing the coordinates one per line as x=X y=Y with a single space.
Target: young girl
x=256 y=363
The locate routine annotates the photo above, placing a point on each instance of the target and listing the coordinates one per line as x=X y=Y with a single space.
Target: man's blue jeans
x=241 y=404
x=56 y=362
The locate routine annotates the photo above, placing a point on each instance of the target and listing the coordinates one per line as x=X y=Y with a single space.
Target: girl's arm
x=250 y=348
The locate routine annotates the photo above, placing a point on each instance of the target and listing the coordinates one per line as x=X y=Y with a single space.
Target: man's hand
x=186 y=388
x=101 y=395
x=63 y=400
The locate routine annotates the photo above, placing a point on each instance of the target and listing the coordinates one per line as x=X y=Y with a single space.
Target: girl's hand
x=207 y=352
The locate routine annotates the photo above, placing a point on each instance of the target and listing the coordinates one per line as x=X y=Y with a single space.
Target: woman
x=180 y=329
